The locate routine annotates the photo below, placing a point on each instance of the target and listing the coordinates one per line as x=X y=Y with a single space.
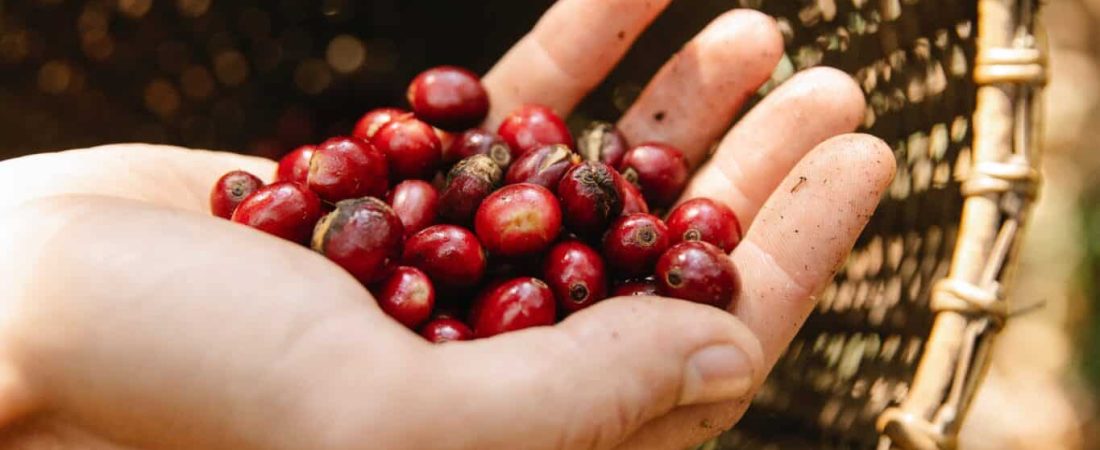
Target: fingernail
x=716 y=373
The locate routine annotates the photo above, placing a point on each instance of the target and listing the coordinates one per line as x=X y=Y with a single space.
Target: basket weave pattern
x=899 y=341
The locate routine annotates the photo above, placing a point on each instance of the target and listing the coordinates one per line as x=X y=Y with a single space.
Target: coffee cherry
x=411 y=147
x=602 y=142
x=294 y=166
x=589 y=198
x=699 y=272
x=346 y=168
x=513 y=305
x=406 y=295
x=544 y=166
x=445 y=329
x=416 y=203
x=533 y=126
x=633 y=201
x=659 y=169
x=450 y=255
x=703 y=219
x=449 y=97
x=476 y=141
x=374 y=120
x=519 y=219
x=467 y=184
x=576 y=274
x=287 y=210
x=364 y=236
x=230 y=190
x=646 y=286
x=634 y=243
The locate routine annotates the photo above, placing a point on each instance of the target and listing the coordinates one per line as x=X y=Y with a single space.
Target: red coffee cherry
x=467 y=185
x=544 y=166
x=699 y=272
x=374 y=120
x=703 y=219
x=602 y=142
x=533 y=126
x=634 y=243
x=347 y=168
x=590 y=199
x=416 y=203
x=450 y=255
x=445 y=329
x=476 y=141
x=517 y=220
x=287 y=210
x=576 y=274
x=513 y=305
x=294 y=166
x=448 y=97
x=659 y=169
x=230 y=190
x=411 y=147
x=407 y=295
x=364 y=236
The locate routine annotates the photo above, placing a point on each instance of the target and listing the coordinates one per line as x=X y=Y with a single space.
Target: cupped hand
x=130 y=318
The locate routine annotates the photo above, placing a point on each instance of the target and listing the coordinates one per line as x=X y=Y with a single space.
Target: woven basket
x=900 y=340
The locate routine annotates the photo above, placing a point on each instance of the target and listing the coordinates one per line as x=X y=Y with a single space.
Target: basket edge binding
x=1001 y=186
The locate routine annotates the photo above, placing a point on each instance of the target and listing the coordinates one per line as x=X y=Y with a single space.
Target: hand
x=130 y=318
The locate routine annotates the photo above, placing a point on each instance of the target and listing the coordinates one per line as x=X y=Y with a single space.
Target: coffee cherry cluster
x=428 y=212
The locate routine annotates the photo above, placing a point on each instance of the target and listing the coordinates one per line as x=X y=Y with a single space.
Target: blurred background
x=263 y=77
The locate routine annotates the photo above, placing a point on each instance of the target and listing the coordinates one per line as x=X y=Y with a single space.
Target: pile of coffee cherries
x=460 y=232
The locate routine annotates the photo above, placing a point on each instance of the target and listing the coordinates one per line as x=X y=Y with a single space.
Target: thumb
x=597 y=377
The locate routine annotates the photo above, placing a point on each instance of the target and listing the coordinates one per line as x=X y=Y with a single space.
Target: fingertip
x=867 y=151
x=750 y=29
x=831 y=92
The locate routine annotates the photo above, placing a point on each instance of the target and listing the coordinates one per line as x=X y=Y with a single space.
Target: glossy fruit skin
x=576 y=274
x=364 y=236
x=602 y=142
x=659 y=169
x=449 y=97
x=449 y=254
x=373 y=120
x=703 y=219
x=513 y=305
x=517 y=220
x=590 y=199
x=416 y=203
x=407 y=295
x=446 y=329
x=294 y=166
x=411 y=147
x=699 y=272
x=476 y=141
x=639 y=287
x=634 y=243
x=633 y=201
x=467 y=185
x=530 y=127
x=230 y=190
x=287 y=210
x=544 y=166
x=346 y=168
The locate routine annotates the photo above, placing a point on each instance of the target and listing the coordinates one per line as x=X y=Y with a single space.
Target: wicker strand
x=964 y=297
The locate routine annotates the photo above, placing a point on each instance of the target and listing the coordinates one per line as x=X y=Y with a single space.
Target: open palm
x=130 y=318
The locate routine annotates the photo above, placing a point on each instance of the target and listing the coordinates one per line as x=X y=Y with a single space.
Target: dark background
x=258 y=77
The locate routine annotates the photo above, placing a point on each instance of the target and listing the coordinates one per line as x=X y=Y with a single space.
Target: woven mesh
x=263 y=77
